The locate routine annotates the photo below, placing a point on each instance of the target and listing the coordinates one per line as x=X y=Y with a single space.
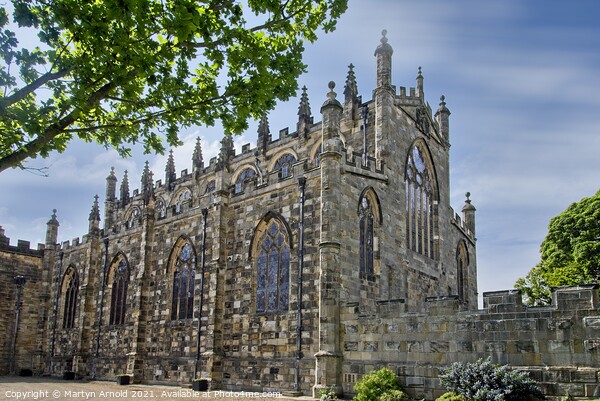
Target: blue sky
x=521 y=78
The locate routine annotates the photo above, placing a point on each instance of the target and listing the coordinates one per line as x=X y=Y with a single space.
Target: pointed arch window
x=70 y=297
x=366 y=237
x=243 y=179
x=420 y=201
x=182 y=199
x=284 y=165
x=161 y=209
x=210 y=189
x=317 y=158
x=273 y=269
x=133 y=218
x=462 y=263
x=182 y=306
x=120 y=283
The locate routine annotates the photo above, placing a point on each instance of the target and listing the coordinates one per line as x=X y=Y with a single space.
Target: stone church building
x=247 y=270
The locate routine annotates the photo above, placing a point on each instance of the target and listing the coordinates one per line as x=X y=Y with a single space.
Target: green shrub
x=485 y=381
x=451 y=396
x=375 y=384
x=328 y=394
x=394 y=395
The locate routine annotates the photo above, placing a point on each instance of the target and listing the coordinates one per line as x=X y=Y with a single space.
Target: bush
x=394 y=395
x=451 y=396
x=328 y=395
x=485 y=381
x=373 y=385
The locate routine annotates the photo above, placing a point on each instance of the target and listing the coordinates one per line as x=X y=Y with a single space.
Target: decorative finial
x=468 y=194
x=383 y=38
x=442 y=100
x=331 y=85
x=53 y=212
x=420 y=73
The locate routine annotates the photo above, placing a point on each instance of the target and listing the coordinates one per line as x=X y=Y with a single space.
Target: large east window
x=420 y=203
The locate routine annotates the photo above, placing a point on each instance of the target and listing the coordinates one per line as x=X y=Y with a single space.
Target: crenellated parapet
x=22 y=248
x=558 y=344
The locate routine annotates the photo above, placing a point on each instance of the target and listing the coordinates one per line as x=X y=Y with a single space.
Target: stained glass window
x=273 y=269
x=284 y=165
x=70 y=295
x=243 y=179
x=183 y=283
x=366 y=237
x=118 y=300
x=419 y=204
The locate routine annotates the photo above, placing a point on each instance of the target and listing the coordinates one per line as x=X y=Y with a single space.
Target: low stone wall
x=558 y=344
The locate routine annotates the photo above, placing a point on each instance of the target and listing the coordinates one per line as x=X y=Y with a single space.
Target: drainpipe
x=19 y=281
x=202 y=268
x=97 y=346
x=302 y=185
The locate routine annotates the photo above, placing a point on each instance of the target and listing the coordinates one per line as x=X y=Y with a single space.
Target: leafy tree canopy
x=570 y=252
x=126 y=71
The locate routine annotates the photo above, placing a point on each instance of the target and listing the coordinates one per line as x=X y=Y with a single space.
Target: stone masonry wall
x=559 y=344
x=20 y=260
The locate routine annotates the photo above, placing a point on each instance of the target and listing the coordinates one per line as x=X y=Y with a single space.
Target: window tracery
x=210 y=189
x=161 y=209
x=182 y=306
x=70 y=297
x=243 y=179
x=273 y=269
x=120 y=283
x=284 y=165
x=420 y=200
x=183 y=198
x=133 y=218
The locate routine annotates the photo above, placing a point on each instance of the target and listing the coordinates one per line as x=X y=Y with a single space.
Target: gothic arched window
x=133 y=217
x=118 y=299
x=161 y=209
x=243 y=179
x=420 y=200
x=182 y=199
x=182 y=306
x=70 y=294
x=273 y=268
x=284 y=165
x=317 y=158
x=462 y=262
x=210 y=189
x=365 y=215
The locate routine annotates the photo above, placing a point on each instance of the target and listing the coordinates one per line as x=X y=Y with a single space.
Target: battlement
x=369 y=167
x=23 y=247
x=457 y=221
